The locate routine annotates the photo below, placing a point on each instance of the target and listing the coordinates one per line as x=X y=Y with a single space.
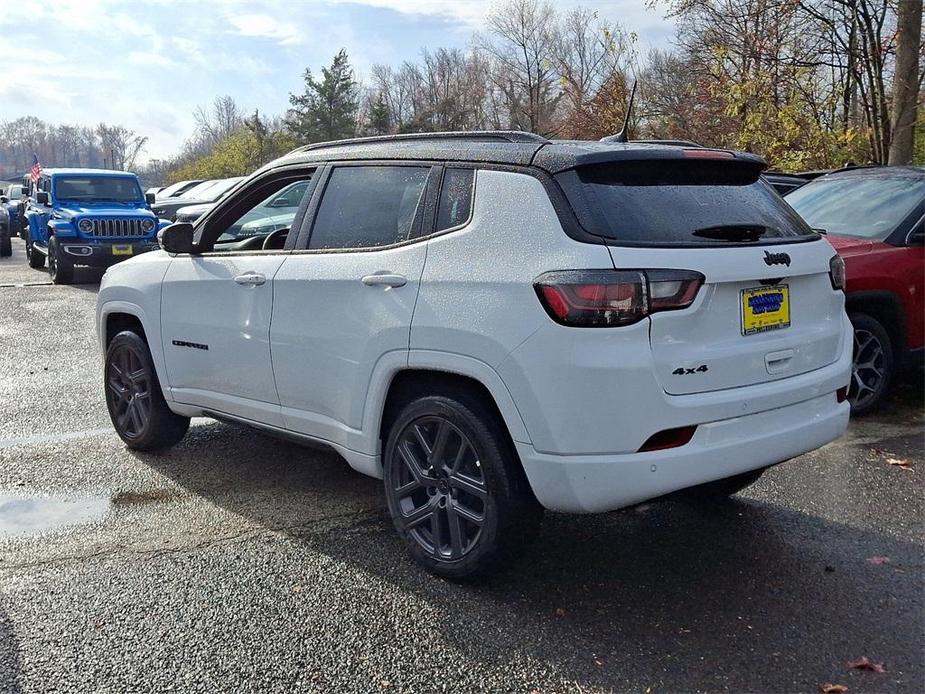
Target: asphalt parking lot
x=238 y=562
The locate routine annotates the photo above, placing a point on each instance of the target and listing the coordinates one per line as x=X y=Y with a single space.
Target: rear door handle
x=385 y=279
x=251 y=279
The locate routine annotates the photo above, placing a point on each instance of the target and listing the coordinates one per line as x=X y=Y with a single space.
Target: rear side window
x=455 y=198
x=368 y=206
x=677 y=202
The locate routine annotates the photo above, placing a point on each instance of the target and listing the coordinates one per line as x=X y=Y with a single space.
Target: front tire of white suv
x=136 y=404
x=455 y=488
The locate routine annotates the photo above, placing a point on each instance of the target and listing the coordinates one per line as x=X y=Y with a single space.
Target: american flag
x=36 y=168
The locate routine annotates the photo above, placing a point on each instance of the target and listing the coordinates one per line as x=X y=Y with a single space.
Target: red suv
x=874 y=218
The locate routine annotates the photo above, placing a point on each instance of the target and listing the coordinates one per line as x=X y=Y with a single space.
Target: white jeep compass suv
x=494 y=323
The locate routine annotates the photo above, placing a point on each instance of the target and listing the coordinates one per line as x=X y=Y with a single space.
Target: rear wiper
x=732 y=232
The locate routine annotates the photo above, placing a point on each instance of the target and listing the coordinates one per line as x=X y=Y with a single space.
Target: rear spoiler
x=558 y=159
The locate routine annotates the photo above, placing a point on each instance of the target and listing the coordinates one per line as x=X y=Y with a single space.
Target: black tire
x=507 y=512
x=6 y=245
x=60 y=269
x=36 y=260
x=720 y=490
x=872 y=365
x=134 y=398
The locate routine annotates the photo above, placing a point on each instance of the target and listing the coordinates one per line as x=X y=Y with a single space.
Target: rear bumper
x=103 y=254
x=595 y=483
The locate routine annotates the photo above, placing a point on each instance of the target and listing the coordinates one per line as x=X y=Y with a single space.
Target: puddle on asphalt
x=23 y=515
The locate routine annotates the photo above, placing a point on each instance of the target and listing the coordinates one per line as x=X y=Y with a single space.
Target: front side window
x=255 y=217
x=870 y=207
x=368 y=206
x=102 y=188
x=455 y=198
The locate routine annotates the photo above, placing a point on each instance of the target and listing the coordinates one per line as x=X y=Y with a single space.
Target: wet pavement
x=238 y=562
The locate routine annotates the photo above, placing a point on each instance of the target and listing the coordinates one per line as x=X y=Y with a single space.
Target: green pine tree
x=327 y=109
x=380 y=119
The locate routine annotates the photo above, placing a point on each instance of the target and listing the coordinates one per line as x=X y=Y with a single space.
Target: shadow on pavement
x=745 y=596
x=9 y=657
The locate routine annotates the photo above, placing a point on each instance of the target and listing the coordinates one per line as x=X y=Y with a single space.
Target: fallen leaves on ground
x=864 y=663
x=901 y=463
x=829 y=688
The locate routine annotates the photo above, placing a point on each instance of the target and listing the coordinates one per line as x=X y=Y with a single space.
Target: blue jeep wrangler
x=87 y=217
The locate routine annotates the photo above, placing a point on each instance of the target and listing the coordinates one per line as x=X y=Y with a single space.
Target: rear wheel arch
x=884 y=307
x=408 y=384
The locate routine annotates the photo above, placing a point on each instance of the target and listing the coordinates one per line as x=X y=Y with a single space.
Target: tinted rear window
x=676 y=202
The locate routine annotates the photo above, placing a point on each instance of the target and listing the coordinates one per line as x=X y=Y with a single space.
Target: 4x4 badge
x=776 y=258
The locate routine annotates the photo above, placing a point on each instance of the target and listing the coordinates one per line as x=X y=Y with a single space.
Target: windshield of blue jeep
x=859 y=206
x=98 y=188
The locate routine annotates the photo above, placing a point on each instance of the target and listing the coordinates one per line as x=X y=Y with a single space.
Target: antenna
x=623 y=135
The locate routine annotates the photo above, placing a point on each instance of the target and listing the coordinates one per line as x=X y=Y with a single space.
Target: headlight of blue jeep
x=147 y=225
x=85 y=225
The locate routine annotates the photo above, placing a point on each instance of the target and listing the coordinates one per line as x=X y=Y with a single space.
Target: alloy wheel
x=129 y=391
x=867 y=368
x=438 y=487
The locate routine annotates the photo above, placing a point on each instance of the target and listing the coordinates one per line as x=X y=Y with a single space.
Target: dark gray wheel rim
x=437 y=486
x=868 y=368
x=129 y=391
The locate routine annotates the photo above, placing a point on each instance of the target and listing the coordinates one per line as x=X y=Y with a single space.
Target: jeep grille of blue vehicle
x=120 y=228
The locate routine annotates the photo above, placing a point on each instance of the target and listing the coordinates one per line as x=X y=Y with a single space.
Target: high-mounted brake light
x=707 y=154
x=611 y=298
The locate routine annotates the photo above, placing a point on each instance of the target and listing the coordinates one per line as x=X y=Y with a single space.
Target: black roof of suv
x=503 y=147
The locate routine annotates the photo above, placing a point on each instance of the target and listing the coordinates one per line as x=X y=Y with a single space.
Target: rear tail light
x=668 y=438
x=837 y=272
x=611 y=298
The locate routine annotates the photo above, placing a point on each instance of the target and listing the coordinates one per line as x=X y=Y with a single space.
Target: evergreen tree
x=327 y=109
x=380 y=120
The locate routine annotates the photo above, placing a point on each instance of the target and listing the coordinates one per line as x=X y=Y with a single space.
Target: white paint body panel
x=202 y=304
x=317 y=349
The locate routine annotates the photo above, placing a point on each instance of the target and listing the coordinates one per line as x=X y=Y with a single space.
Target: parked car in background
x=783 y=183
x=205 y=192
x=176 y=189
x=90 y=217
x=10 y=195
x=495 y=323
x=6 y=247
x=273 y=214
x=874 y=218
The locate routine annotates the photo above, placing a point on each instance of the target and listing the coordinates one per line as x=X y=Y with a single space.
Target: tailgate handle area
x=778 y=362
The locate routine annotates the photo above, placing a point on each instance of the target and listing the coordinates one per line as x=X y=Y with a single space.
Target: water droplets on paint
x=32 y=515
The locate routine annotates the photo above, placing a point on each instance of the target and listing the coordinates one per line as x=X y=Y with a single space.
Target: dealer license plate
x=765 y=308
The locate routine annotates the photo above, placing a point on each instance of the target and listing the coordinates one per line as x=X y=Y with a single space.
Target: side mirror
x=4 y=199
x=176 y=238
x=149 y=198
x=41 y=197
x=916 y=237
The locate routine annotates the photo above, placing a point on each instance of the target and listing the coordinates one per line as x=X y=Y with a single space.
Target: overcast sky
x=147 y=64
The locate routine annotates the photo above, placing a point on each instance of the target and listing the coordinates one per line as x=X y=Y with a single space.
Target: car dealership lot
x=235 y=561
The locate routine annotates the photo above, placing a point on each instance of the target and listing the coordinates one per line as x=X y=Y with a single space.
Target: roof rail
x=499 y=135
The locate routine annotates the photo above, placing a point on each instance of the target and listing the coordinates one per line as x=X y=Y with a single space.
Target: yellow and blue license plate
x=765 y=308
x=121 y=250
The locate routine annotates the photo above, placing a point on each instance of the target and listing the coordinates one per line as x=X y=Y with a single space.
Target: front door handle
x=385 y=279
x=251 y=279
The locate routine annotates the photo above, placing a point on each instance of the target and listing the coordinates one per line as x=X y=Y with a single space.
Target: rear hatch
x=766 y=310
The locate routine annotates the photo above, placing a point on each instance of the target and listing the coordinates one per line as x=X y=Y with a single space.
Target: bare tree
x=906 y=81
x=120 y=144
x=522 y=41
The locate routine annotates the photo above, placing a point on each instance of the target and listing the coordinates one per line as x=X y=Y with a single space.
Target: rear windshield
x=676 y=202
